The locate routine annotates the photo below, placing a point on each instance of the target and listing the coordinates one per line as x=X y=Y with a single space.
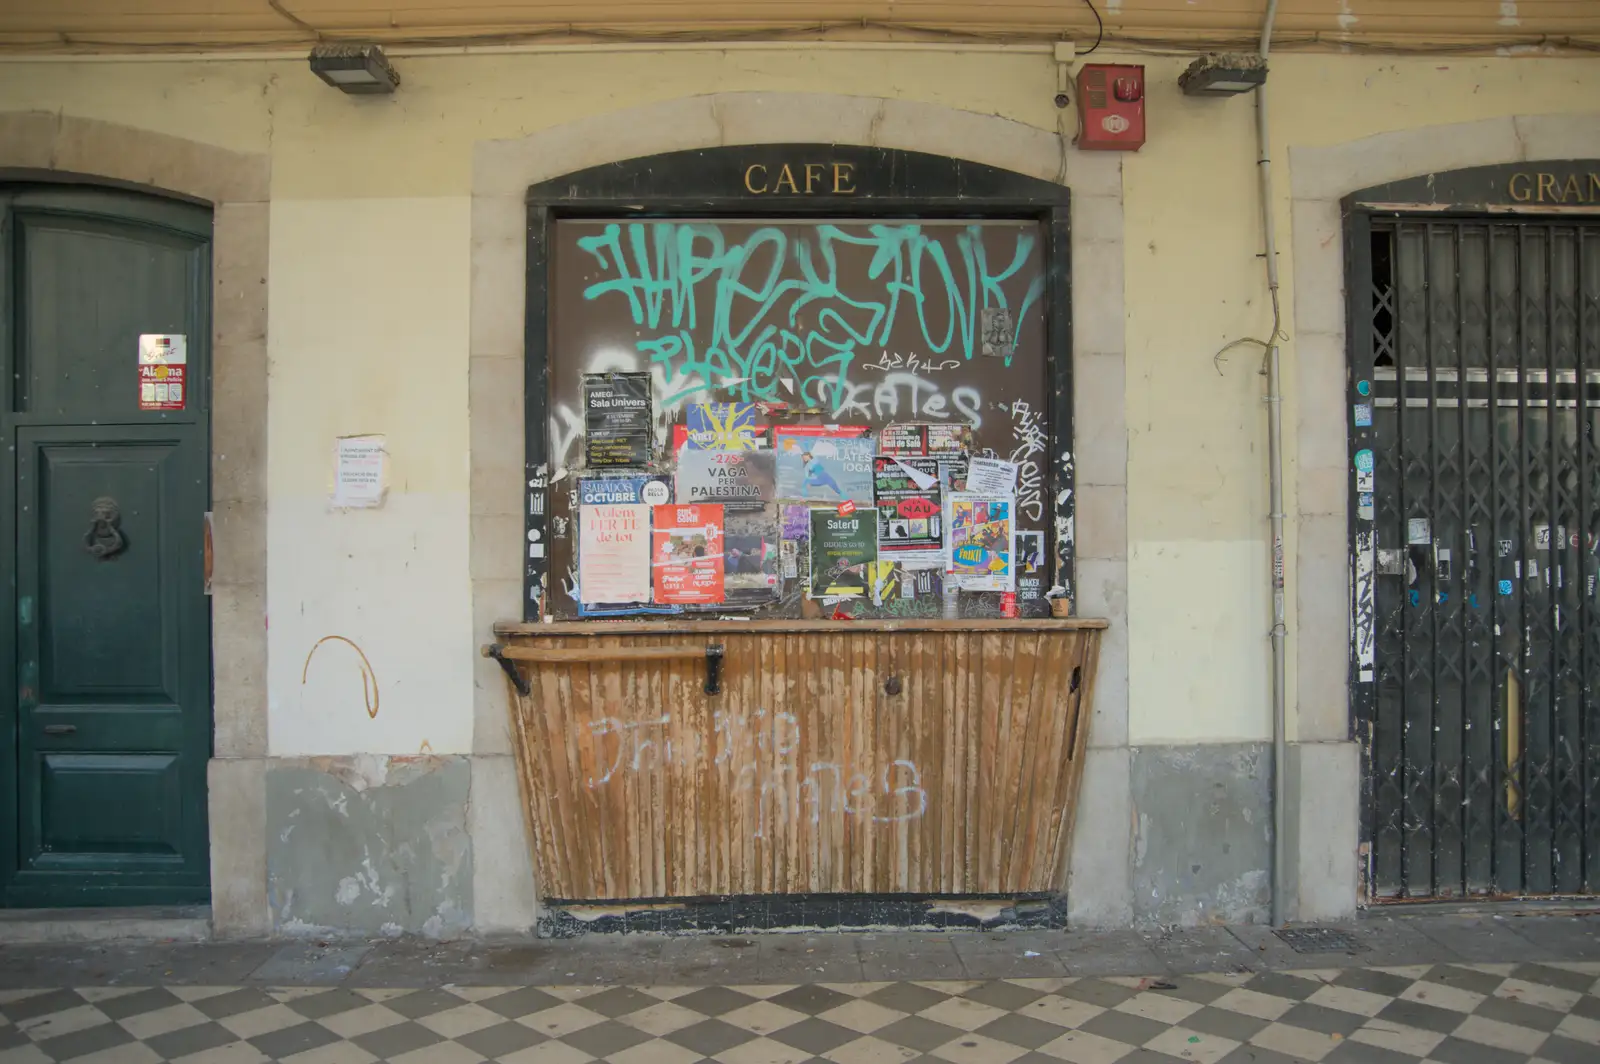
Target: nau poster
x=614 y=539
x=824 y=468
x=616 y=419
x=686 y=554
x=980 y=549
x=723 y=427
x=842 y=546
x=910 y=516
x=742 y=481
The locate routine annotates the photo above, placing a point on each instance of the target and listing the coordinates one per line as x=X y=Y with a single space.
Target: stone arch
x=51 y=145
x=502 y=172
x=1326 y=763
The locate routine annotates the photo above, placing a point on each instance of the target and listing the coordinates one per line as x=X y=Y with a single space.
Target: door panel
x=122 y=791
x=105 y=629
x=106 y=663
x=1478 y=554
x=97 y=271
x=112 y=736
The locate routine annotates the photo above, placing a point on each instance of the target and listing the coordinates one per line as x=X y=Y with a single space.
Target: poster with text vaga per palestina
x=818 y=468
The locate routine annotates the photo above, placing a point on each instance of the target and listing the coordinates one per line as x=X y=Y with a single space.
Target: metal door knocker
x=104 y=538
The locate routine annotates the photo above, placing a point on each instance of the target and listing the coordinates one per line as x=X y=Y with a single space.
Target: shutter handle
x=60 y=729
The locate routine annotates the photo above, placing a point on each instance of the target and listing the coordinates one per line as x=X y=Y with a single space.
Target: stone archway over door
x=503 y=171
x=1325 y=765
x=1475 y=374
x=47 y=146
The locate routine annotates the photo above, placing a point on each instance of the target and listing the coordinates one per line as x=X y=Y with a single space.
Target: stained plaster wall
x=395 y=254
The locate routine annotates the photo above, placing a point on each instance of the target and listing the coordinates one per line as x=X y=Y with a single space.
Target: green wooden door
x=106 y=696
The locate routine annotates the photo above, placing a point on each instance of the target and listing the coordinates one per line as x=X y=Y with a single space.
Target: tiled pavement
x=1464 y=1013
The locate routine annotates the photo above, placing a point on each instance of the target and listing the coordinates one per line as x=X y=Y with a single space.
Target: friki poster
x=980 y=548
x=842 y=546
x=617 y=420
x=741 y=481
x=686 y=554
x=824 y=468
x=614 y=539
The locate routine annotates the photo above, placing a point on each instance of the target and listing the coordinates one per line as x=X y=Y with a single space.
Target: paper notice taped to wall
x=360 y=472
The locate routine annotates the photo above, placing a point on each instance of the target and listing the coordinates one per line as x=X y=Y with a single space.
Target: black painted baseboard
x=794 y=912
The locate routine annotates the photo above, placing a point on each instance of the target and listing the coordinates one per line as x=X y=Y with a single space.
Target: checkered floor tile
x=1440 y=1014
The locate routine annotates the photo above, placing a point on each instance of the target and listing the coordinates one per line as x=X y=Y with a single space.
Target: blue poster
x=825 y=468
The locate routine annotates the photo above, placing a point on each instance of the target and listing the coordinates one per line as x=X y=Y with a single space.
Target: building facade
x=330 y=750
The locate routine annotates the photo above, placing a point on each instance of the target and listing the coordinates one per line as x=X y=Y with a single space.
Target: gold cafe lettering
x=801 y=179
x=1536 y=187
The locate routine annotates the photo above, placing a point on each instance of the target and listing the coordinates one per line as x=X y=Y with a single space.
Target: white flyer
x=991 y=476
x=360 y=472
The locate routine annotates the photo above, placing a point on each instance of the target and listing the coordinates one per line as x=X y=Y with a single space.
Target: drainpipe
x=1275 y=476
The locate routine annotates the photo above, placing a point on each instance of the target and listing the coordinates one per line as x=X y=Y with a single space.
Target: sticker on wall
x=1365 y=509
x=841 y=549
x=613 y=541
x=910 y=511
x=686 y=554
x=724 y=427
x=742 y=481
x=1364 y=623
x=163 y=366
x=1419 y=532
x=1391 y=563
x=1505 y=587
x=980 y=551
x=1364 y=470
x=999 y=333
x=616 y=411
x=824 y=468
x=991 y=476
x=360 y=472
x=750 y=562
x=1363 y=412
x=1363 y=387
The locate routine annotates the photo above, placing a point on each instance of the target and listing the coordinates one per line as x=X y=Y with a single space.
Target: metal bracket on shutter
x=714 y=669
x=497 y=652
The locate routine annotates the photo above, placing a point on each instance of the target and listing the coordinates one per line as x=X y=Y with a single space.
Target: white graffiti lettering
x=756 y=753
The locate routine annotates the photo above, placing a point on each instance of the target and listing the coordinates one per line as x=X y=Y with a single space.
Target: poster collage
x=904 y=519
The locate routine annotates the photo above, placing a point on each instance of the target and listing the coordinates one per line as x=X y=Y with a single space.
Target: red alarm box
x=1111 y=107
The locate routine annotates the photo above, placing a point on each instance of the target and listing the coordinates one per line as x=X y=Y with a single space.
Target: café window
x=798 y=382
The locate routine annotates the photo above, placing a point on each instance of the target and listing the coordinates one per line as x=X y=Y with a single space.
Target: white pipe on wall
x=1275 y=481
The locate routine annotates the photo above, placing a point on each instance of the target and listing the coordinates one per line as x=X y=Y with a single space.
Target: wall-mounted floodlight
x=354 y=68
x=1223 y=75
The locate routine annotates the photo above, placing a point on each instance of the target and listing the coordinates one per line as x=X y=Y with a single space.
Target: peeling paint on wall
x=1202 y=834
x=379 y=846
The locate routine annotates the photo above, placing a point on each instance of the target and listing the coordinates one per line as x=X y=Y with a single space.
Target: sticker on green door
x=163 y=361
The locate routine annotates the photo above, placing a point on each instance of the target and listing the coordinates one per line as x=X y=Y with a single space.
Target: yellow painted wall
x=369 y=328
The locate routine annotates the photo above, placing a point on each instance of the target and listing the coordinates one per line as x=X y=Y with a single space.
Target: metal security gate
x=1475 y=384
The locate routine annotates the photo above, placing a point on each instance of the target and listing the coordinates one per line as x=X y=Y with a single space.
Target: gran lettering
x=801 y=179
x=1545 y=187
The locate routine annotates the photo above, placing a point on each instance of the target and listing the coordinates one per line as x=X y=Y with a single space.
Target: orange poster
x=686 y=554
